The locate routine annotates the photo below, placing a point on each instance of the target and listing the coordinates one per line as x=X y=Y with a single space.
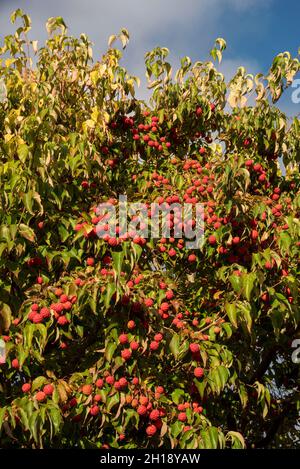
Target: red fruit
x=134 y=345
x=126 y=354
x=58 y=292
x=110 y=380
x=87 y=389
x=45 y=313
x=15 y=363
x=257 y=167
x=262 y=178
x=73 y=402
x=268 y=265
x=169 y=294
x=249 y=163
x=182 y=417
x=194 y=348
x=63 y=298
x=34 y=307
x=142 y=410
x=164 y=306
x=135 y=381
x=99 y=383
x=148 y=302
x=94 y=410
x=90 y=261
x=254 y=234
x=212 y=240
x=48 y=389
x=123 y=339
x=131 y=325
x=26 y=387
x=236 y=240
x=151 y=430
x=158 y=337
x=192 y=258
x=123 y=382
x=40 y=396
x=154 y=414
x=160 y=390
x=97 y=398
x=198 y=372
x=154 y=345
x=40 y=225
x=265 y=297
x=39 y=280
x=62 y=320
x=37 y=318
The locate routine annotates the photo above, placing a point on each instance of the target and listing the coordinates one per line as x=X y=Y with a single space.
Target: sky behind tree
x=255 y=30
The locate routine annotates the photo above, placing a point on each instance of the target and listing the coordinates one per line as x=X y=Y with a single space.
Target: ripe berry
x=15 y=363
x=268 y=265
x=126 y=354
x=110 y=380
x=194 y=348
x=26 y=387
x=158 y=337
x=142 y=410
x=169 y=294
x=48 y=389
x=87 y=389
x=182 y=417
x=123 y=382
x=154 y=345
x=134 y=345
x=212 y=240
x=131 y=325
x=192 y=258
x=198 y=372
x=160 y=390
x=99 y=383
x=94 y=410
x=40 y=396
x=151 y=430
x=148 y=302
x=154 y=414
x=90 y=261
x=123 y=339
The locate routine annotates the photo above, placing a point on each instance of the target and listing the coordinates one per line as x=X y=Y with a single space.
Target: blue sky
x=255 y=30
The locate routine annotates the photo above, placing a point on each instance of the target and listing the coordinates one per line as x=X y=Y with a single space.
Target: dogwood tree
x=128 y=341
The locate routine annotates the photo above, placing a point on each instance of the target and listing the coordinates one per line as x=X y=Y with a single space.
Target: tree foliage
x=139 y=342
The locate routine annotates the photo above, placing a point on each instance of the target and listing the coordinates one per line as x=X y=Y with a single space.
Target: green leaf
x=248 y=281
x=5 y=317
x=56 y=418
x=110 y=350
x=26 y=232
x=110 y=290
x=174 y=345
x=38 y=383
x=231 y=312
x=112 y=401
x=23 y=152
x=117 y=257
x=178 y=396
